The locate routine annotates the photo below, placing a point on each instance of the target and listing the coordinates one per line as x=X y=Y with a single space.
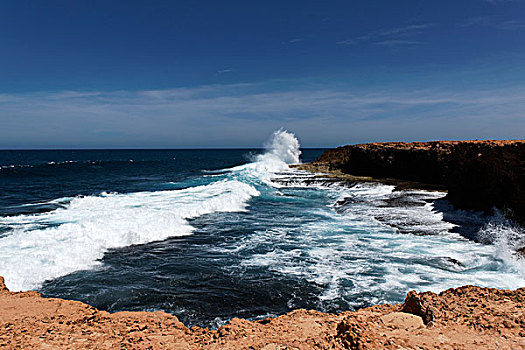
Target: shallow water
x=212 y=234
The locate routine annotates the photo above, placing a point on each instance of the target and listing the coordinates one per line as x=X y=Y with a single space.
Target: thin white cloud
x=392 y=43
x=243 y=115
x=347 y=42
x=496 y=2
x=292 y=41
x=390 y=37
x=510 y=25
x=356 y=40
x=492 y=22
x=411 y=30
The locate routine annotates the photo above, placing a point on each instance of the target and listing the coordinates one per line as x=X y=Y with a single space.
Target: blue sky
x=134 y=74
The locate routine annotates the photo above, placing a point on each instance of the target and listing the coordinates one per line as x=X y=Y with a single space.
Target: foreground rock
x=478 y=175
x=463 y=318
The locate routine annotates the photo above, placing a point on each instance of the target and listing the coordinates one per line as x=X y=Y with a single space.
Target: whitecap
x=89 y=226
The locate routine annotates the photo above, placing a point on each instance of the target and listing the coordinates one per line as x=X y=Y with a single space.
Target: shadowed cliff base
x=478 y=175
x=462 y=318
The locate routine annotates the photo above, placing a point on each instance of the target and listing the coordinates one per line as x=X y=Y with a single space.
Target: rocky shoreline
x=462 y=318
x=478 y=175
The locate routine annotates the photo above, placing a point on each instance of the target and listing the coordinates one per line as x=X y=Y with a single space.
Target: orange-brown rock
x=3 y=288
x=478 y=175
x=463 y=318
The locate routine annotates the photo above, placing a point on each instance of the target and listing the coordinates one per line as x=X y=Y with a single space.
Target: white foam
x=506 y=238
x=355 y=253
x=88 y=226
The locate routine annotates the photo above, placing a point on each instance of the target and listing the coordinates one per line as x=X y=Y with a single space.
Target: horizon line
x=145 y=149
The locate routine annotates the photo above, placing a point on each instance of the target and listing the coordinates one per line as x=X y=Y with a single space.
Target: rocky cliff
x=478 y=175
x=463 y=318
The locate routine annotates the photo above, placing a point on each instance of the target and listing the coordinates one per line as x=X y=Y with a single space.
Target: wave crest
x=76 y=237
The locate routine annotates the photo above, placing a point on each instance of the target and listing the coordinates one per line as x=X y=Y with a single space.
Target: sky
x=206 y=74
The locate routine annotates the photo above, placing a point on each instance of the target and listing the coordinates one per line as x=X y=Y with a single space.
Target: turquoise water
x=213 y=234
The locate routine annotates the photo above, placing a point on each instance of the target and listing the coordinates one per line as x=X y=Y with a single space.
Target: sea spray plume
x=89 y=226
x=281 y=149
x=507 y=238
x=283 y=145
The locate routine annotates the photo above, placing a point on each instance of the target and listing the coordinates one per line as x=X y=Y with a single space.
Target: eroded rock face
x=416 y=306
x=463 y=318
x=478 y=175
x=3 y=288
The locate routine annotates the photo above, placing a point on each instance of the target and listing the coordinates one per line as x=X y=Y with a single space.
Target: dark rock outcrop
x=478 y=175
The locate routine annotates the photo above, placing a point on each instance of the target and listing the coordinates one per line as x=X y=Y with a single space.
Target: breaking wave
x=53 y=244
x=334 y=245
x=281 y=150
x=48 y=245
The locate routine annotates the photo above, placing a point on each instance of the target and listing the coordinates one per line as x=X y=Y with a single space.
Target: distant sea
x=213 y=234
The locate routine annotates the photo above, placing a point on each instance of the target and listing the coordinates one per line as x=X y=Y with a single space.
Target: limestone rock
x=462 y=318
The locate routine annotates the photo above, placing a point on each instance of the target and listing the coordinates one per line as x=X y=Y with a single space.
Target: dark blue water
x=212 y=234
x=40 y=176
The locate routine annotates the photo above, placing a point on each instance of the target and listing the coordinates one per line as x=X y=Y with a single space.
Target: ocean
x=212 y=234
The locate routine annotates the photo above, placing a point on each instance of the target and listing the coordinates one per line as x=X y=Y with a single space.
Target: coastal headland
x=478 y=175
x=462 y=318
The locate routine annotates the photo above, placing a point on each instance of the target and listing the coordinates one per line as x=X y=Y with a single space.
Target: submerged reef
x=478 y=175
x=461 y=318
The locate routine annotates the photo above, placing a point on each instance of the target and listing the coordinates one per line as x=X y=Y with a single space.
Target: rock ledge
x=463 y=318
x=478 y=175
